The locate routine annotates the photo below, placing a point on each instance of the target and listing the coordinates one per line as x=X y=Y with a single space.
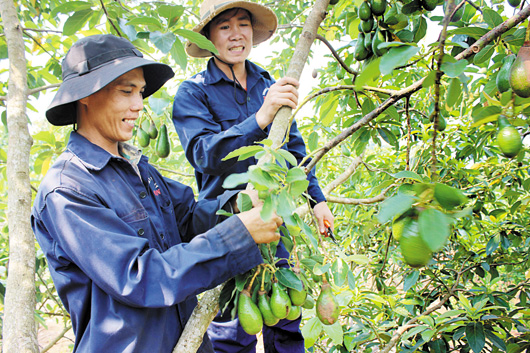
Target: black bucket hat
x=94 y=62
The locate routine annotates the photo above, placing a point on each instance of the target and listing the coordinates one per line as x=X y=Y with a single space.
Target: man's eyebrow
x=241 y=17
x=128 y=83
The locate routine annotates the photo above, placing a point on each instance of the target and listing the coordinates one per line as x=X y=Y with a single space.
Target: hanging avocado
x=364 y=11
x=520 y=72
x=143 y=137
x=162 y=143
x=378 y=7
x=360 y=51
x=503 y=77
x=152 y=131
x=378 y=38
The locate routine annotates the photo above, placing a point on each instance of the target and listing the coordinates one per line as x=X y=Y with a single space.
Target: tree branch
x=397 y=95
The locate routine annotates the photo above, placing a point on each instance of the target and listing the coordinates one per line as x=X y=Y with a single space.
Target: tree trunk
x=19 y=329
x=196 y=327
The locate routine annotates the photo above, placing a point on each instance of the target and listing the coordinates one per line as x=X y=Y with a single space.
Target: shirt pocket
x=224 y=115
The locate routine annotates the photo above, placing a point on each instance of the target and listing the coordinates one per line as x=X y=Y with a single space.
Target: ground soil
x=65 y=344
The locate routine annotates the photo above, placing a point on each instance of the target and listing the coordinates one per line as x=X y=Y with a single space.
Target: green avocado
x=162 y=143
x=378 y=7
x=503 y=77
x=365 y=12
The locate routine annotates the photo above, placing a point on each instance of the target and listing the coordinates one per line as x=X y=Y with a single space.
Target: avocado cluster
x=148 y=131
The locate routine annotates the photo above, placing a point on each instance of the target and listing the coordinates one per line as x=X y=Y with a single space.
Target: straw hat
x=92 y=63
x=264 y=22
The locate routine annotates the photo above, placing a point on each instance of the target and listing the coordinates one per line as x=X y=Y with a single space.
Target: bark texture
x=19 y=328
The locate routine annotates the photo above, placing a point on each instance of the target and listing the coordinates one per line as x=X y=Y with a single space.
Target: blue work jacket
x=210 y=124
x=124 y=253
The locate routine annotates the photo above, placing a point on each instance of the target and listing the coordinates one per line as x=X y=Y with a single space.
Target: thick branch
x=19 y=329
x=201 y=317
x=475 y=48
x=281 y=121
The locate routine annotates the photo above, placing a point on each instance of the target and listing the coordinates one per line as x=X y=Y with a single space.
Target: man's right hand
x=283 y=92
x=261 y=231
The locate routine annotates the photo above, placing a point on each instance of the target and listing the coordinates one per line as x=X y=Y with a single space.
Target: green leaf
x=287 y=278
x=433 y=228
x=328 y=111
x=484 y=55
x=246 y=150
x=475 y=336
x=163 y=41
x=150 y=22
x=197 y=38
x=267 y=209
x=311 y=331
x=171 y=12
x=288 y=156
x=495 y=340
x=369 y=73
x=407 y=174
x=493 y=244
x=298 y=187
x=71 y=6
x=396 y=57
x=312 y=141
x=233 y=180
x=75 y=22
x=454 y=91
x=449 y=197
x=261 y=179
x=394 y=206
x=484 y=113
x=388 y=136
x=420 y=29
x=454 y=69
x=179 y=54
x=295 y=174
x=158 y=105
x=492 y=18
x=411 y=280
x=429 y=79
x=334 y=332
x=475 y=32
x=244 y=202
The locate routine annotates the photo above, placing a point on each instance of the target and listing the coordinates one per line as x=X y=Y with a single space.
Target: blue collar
x=92 y=156
x=213 y=74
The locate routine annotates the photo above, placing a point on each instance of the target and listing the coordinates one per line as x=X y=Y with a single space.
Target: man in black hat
x=128 y=249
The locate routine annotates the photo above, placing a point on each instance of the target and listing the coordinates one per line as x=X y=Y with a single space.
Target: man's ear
x=83 y=101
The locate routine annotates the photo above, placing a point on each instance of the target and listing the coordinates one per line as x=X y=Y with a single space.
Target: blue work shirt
x=122 y=247
x=210 y=124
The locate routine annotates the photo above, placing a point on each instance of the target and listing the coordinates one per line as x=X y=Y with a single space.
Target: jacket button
x=143 y=195
x=162 y=235
x=141 y=231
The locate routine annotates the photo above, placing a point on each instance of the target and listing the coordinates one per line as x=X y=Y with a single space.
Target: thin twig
x=336 y=56
x=108 y=18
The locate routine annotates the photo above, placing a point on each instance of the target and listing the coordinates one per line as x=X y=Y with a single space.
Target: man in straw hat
x=230 y=105
x=128 y=249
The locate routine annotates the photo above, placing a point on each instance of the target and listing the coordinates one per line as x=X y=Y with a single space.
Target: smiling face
x=231 y=33
x=108 y=116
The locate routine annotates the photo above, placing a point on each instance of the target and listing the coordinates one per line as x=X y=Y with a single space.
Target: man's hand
x=283 y=92
x=262 y=232
x=322 y=213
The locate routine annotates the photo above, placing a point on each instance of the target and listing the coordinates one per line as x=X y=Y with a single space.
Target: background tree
x=377 y=137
